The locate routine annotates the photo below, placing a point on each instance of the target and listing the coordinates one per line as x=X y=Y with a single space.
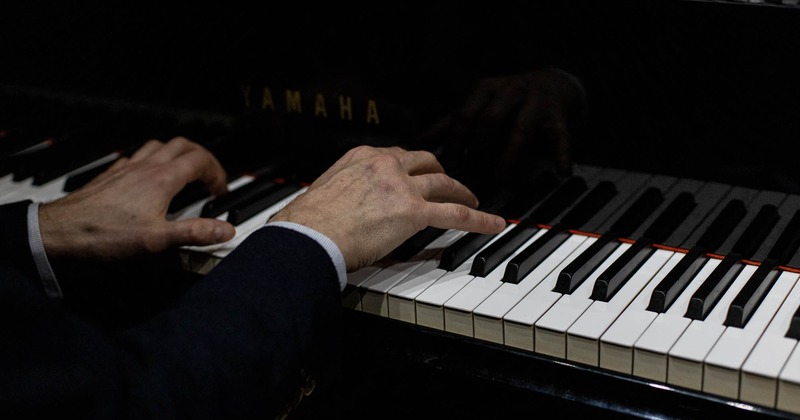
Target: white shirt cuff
x=51 y=287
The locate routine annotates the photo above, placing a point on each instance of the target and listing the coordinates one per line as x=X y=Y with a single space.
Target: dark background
x=701 y=89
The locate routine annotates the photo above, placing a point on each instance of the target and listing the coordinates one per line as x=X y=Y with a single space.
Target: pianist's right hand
x=373 y=199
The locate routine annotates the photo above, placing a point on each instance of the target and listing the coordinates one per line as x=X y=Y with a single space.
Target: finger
x=455 y=216
x=419 y=162
x=147 y=149
x=173 y=149
x=441 y=188
x=200 y=165
x=198 y=232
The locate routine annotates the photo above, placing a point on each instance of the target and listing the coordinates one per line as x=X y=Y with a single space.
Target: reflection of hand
x=373 y=199
x=508 y=121
x=122 y=212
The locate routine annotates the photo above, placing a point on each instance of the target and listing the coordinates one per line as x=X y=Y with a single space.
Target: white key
x=429 y=304
x=200 y=259
x=519 y=322
x=609 y=320
x=402 y=296
x=789 y=384
x=374 y=298
x=194 y=209
x=685 y=366
x=650 y=350
x=724 y=362
x=351 y=296
x=402 y=304
x=48 y=191
x=15 y=190
x=458 y=309
x=551 y=329
x=583 y=335
x=488 y=316
x=760 y=371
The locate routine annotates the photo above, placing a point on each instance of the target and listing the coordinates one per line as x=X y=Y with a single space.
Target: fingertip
x=223 y=232
x=500 y=223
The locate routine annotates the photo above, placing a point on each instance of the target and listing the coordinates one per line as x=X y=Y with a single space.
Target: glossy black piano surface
x=704 y=90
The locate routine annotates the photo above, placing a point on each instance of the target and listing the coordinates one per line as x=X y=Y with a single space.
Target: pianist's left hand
x=122 y=212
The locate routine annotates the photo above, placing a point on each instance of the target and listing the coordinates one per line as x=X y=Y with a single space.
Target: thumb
x=200 y=231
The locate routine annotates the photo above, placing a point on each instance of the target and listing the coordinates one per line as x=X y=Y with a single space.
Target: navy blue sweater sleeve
x=245 y=341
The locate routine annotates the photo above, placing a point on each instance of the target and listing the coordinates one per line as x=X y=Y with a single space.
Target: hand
x=122 y=212
x=373 y=199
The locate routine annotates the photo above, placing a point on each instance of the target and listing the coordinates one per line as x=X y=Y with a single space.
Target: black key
x=755 y=233
x=559 y=200
x=621 y=270
x=723 y=225
x=566 y=194
x=671 y=217
x=259 y=186
x=514 y=208
x=77 y=180
x=787 y=244
x=711 y=197
x=256 y=205
x=191 y=193
x=413 y=245
x=638 y=212
x=680 y=276
x=499 y=250
x=12 y=164
x=73 y=182
x=460 y=250
x=529 y=258
x=751 y=295
x=676 y=280
x=712 y=289
x=794 y=326
x=598 y=197
x=523 y=201
x=581 y=267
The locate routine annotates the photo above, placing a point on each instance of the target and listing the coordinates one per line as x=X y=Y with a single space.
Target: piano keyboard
x=682 y=282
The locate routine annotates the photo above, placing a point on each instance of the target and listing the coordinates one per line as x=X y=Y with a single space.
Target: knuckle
x=461 y=214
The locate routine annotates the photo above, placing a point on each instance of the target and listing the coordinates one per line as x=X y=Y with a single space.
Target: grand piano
x=683 y=104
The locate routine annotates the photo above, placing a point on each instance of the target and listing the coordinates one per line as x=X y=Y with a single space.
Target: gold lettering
x=372 y=112
x=346 y=108
x=245 y=89
x=266 y=99
x=294 y=101
x=319 y=106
